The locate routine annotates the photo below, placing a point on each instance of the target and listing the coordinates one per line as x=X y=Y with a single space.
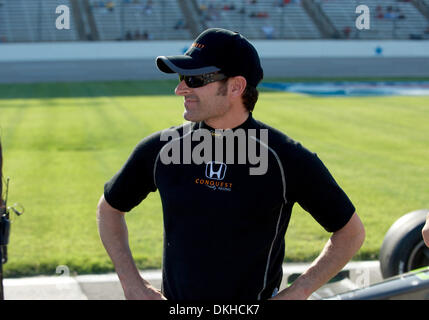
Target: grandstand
x=260 y=19
x=139 y=20
x=33 y=21
x=390 y=19
x=106 y=20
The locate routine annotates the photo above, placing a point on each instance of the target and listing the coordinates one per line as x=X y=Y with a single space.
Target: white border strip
x=111 y=50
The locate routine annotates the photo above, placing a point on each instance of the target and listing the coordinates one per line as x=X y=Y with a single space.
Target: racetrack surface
x=144 y=69
x=107 y=287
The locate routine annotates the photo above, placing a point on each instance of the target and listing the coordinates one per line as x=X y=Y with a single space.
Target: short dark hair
x=250 y=97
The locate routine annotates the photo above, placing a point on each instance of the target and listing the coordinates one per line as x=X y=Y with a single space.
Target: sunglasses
x=202 y=80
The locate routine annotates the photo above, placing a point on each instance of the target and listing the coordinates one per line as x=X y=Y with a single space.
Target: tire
x=403 y=248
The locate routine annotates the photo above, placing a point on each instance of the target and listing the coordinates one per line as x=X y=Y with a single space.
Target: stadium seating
x=139 y=20
x=33 y=20
x=385 y=23
x=260 y=19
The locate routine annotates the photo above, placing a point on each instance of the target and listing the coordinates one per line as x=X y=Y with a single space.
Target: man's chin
x=188 y=116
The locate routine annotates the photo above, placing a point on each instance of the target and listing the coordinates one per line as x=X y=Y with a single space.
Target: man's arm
x=339 y=249
x=425 y=231
x=114 y=235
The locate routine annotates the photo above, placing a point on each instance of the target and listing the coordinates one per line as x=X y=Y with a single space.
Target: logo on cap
x=198 y=46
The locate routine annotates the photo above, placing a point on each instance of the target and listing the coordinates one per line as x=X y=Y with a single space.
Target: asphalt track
x=145 y=69
x=107 y=287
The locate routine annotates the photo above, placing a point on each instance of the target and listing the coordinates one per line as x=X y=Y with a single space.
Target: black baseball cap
x=214 y=50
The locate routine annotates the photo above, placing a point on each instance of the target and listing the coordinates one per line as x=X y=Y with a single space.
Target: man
x=425 y=231
x=2 y=211
x=1 y=177
x=224 y=224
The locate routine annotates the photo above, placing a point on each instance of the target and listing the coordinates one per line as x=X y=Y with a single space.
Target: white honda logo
x=215 y=170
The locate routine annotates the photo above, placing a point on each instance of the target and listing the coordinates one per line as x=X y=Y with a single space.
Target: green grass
x=63 y=141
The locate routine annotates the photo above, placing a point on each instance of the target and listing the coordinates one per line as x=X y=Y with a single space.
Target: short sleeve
x=318 y=193
x=134 y=181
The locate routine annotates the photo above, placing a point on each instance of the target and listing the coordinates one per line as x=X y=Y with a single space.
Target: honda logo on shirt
x=215 y=170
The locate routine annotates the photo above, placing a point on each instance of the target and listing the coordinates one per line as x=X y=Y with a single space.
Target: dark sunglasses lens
x=195 y=81
x=198 y=81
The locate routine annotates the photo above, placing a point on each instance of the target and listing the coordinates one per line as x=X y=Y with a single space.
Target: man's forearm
x=114 y=236
x=339 y=249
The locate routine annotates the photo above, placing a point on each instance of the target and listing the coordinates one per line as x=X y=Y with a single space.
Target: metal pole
x=4 y=234
x=282 y=24
x=39 y=22
x=122 y=20
x=1 y=274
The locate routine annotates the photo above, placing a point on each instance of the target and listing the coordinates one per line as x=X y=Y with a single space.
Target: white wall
x=267 y=49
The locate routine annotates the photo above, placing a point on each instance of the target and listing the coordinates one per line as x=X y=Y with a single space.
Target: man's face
x=204 y=103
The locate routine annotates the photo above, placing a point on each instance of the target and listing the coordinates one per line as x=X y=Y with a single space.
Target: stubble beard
x=187 y=115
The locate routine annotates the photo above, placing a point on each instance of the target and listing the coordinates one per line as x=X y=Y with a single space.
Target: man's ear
x=237 y=86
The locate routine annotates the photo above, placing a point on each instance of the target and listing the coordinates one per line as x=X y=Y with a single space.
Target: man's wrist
x=298 y=290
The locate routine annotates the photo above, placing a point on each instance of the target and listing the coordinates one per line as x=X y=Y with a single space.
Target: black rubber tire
x=403 y=248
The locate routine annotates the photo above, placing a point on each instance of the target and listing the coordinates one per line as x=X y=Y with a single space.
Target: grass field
x=63 y=141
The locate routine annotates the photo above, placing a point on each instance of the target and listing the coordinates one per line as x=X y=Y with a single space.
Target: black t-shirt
x=224 y=228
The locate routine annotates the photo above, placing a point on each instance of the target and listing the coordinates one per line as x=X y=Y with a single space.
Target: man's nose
x=182 y=89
